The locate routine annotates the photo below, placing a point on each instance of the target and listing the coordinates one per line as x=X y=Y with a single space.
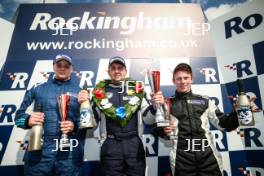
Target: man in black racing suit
x=121 y=128
x=193 y=152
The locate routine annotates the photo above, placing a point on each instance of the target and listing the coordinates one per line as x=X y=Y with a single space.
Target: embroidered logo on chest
x=196 y=102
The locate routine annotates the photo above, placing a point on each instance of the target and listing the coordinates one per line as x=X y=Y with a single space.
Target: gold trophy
x=36 y=132
x=160 y=116
x=63 y=103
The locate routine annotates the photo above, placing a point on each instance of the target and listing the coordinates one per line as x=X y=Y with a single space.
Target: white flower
x=104 y=101
x=109 y=95
x=108 y=105
x=134 y=100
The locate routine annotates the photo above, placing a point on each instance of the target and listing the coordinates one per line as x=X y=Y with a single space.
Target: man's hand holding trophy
x=154 y=81
x=162 y=116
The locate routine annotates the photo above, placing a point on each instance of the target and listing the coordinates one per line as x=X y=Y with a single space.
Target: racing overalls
x=191 y=114
x=48 y=161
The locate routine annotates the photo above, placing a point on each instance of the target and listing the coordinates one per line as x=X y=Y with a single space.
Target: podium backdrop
x=149 y=36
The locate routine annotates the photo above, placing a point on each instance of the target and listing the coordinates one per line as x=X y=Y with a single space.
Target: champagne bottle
x=86 y=114
x=36 y=132
x=244 y=113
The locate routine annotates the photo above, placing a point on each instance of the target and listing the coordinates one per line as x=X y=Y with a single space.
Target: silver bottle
x=87 y=119
x=245 y=116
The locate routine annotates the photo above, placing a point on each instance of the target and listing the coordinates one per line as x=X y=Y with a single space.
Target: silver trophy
x=160 y=116
x=64 y=102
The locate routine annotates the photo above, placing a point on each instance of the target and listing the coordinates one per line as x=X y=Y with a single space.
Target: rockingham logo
x=126 y=24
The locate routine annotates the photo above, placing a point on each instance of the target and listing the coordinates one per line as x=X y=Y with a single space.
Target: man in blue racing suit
x=51 y=160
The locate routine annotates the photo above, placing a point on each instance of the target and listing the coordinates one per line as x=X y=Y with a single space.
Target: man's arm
x=147 y=111
x=220 y=120
x=21 y=117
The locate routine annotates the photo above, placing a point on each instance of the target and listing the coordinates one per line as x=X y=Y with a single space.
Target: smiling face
x=62 y=70
x=117 y=72
x=183 y=81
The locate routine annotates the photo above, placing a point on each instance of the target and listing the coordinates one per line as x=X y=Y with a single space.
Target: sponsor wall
x=239 y=43
x=148 y=36
x=6 y=34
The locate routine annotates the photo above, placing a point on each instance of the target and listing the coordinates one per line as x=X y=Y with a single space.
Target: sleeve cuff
x=23 y=122
x=149 y=109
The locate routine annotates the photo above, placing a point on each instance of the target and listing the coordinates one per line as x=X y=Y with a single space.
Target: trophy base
x=64 y=142
x=162 y=124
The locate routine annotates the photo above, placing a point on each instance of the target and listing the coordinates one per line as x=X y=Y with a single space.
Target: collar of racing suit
x=60 y=82
x=181 y=95
x=117 y=86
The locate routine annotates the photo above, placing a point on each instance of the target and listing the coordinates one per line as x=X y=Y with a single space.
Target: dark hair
x=182 y=67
